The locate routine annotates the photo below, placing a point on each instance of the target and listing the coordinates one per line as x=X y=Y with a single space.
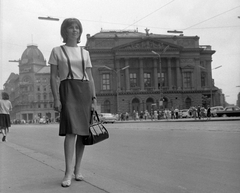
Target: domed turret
x=32 y=55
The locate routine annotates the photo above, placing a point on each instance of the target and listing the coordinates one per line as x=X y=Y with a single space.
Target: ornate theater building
x=143 y=71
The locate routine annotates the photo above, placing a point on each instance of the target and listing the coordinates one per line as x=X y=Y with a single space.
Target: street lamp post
x=117 y=82
x=160 y=71
x=211 y=95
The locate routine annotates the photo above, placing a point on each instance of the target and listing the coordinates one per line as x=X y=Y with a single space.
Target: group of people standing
x=200 y=112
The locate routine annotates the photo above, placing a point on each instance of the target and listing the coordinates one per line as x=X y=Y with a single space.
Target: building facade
x=130 y=68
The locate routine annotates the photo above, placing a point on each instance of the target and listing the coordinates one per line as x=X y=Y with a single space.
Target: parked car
x=215 y=109
x=107 y=117
x=229 y=111
x=184 y=113
x=42 y=121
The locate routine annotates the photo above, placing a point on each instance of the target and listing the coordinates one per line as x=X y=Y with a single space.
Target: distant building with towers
x=29 y=90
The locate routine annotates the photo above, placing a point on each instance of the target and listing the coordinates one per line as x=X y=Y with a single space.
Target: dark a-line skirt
x=5 y=121
x=76 y=100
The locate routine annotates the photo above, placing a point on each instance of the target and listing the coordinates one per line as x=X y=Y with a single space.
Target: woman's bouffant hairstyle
x=5 y=96
x=68 y=22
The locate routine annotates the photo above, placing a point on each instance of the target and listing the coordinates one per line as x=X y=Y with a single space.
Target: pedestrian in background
x=172 y=113
x=5 y=108
x=199 y=112
x=77 y=94
x=208 y=113
x=203 y=112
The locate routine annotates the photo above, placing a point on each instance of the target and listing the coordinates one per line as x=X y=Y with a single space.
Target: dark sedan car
x=230 y=111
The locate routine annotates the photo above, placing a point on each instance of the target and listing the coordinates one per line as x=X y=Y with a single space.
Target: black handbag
x=97 y=131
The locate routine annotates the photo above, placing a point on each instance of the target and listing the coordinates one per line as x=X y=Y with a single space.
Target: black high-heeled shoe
x=4 y=138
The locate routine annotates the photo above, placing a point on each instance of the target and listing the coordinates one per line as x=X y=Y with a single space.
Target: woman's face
x=73 y=32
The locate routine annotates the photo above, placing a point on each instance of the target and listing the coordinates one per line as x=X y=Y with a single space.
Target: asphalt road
x=151 y=157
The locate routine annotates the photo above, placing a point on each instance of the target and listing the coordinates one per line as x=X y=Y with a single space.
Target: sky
x=216 y=22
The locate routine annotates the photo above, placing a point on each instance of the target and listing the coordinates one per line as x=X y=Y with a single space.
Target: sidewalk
x=182 y=120
x=25 y=171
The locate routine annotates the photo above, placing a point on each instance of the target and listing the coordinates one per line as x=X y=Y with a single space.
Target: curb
x=181 y=120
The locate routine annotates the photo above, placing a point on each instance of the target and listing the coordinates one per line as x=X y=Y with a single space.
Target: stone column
x=155 y=73
x=197 y=74
x=141 y=74
x=209 y=72
x=127 y=74
x=117 y=78
x=179 y=78
x=169 y=73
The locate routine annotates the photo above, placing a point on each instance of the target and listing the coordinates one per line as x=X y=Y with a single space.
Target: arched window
x=149 y=103
x=136 y=105
x=165 y=103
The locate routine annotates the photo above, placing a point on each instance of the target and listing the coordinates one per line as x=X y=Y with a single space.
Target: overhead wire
x=114 y=23
x=211 y=17
x=149 y=14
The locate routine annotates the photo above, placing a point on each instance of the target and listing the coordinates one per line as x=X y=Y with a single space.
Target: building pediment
x=187 y=66
x=147 y=44
x=187 y=63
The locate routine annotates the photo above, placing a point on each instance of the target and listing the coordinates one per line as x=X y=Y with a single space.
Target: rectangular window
x=45 y=88
x=106 y=81
x=39 y=97
x=147 y=80
x=187 y=80
x=203 y=79
x=133 y=80
x=38 y=88
x=163 y=79
x=44 y=97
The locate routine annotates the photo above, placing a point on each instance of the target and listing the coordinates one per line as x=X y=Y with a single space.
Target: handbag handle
x=94 y=113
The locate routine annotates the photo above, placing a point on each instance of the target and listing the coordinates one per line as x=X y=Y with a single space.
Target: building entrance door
x=135 y=105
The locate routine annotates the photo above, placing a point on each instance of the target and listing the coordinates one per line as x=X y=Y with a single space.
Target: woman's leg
x=4 y=133
x=79 y=154
x=69 y=145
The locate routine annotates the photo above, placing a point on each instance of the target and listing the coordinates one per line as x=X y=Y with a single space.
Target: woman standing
x=77 y=94
x=5 y=108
